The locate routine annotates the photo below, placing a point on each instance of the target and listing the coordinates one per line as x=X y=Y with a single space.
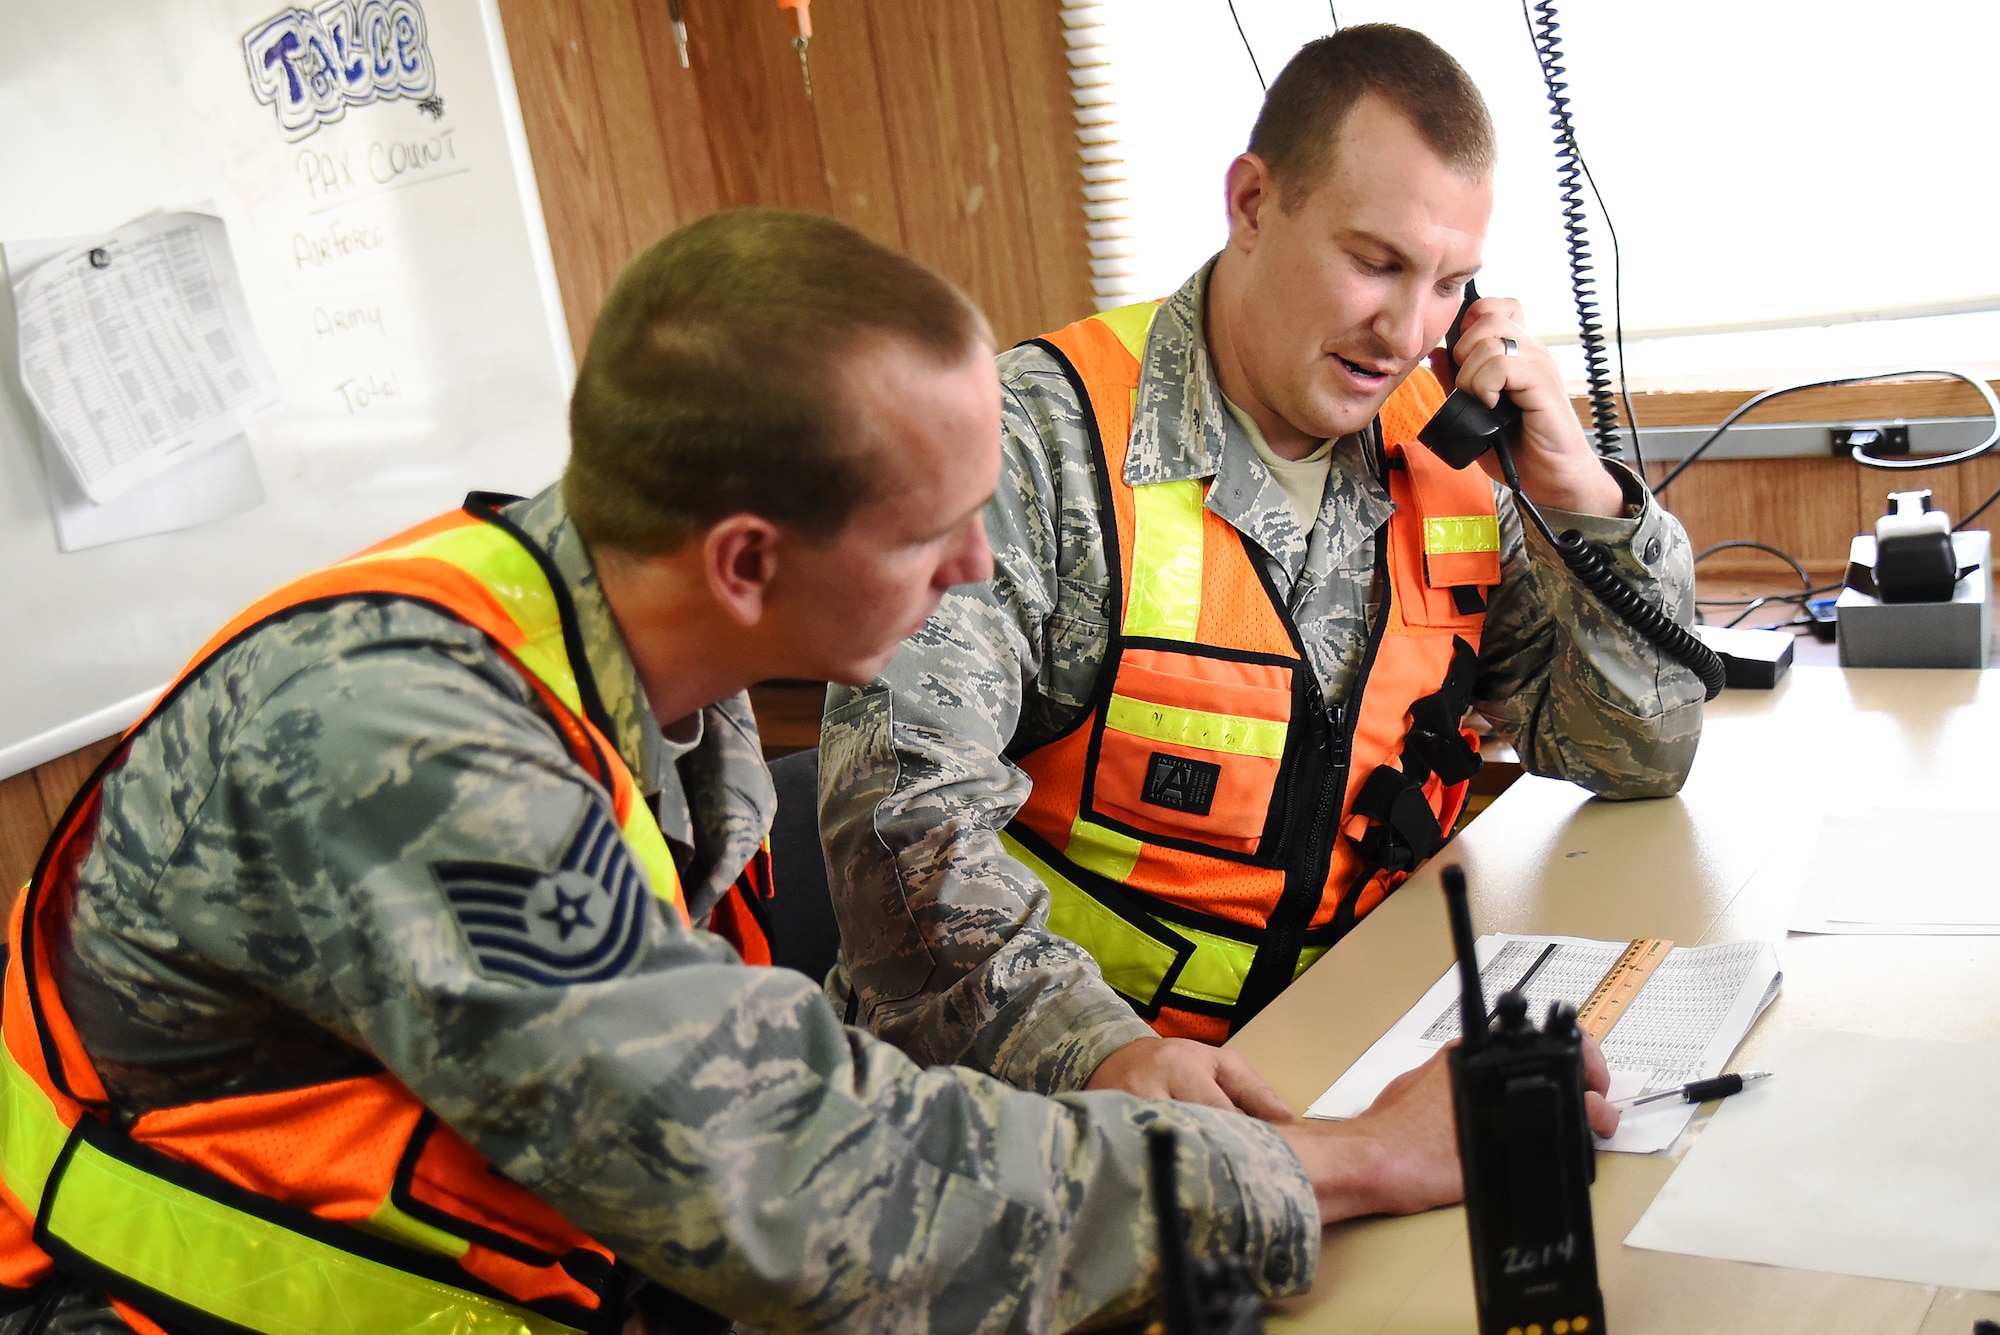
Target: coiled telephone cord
x=1594 y=571
x=1543 y=29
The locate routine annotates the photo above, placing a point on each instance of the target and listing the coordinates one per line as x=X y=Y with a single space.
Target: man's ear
x=1249 y=188
x=740 y=561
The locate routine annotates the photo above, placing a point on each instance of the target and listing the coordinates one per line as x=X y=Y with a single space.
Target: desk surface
x=1547 y=858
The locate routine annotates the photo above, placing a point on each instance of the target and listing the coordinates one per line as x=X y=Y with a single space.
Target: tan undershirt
x=1304 y=480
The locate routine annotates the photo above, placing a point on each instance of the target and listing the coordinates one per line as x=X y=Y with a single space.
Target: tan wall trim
x=1856 y=403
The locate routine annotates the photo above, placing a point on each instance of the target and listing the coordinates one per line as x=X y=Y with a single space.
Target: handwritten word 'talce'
x=312 y=65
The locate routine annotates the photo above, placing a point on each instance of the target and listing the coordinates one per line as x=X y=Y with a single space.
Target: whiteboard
x=396 y=266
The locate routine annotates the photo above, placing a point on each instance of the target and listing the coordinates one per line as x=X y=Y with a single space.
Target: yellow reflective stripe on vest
x=1165 y=599
x=32 y=1136
x=1232 y=733
x=1130 y=323
x=1458 y=535
x=1108 y=853
x=220 y=1260
x=1131 y=961
x=252 y=1272
x=1216 y=970
x=514 y=578
x=642 y=834
x=493 y=557
x=397 y=1226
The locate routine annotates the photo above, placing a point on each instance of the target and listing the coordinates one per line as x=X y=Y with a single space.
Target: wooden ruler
x=1621 y=983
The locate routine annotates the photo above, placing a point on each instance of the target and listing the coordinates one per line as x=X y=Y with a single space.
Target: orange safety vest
x=338 y=1205
x=1211 y=827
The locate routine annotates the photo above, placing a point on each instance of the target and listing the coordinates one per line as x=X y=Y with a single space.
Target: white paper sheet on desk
x=144 y=362
x=1682 y=1026
x=1862 y=1155
x=1900 y=872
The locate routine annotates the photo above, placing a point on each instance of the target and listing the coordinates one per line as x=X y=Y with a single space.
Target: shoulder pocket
x=1444 y=565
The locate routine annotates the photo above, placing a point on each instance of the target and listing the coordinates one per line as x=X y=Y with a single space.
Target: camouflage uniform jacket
x=267 y=892
x=946 y=948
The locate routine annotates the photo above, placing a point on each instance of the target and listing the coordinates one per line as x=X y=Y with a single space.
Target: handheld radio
x=1525 y=1145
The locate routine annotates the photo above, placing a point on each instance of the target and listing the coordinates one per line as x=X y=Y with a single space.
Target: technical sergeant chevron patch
x=581 y=923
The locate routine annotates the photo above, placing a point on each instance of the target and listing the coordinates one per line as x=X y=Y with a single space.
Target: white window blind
x=1800 y=186
x=1100 y=144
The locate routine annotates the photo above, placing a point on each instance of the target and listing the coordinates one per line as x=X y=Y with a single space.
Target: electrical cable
x=1247 y=50
x=1617 y=311
x=1543 y=32
x=1860 y=456
x=1798 y=567
x=1977 y=511
x=1867 y=460
x=1749 y=606
x=1465 y=426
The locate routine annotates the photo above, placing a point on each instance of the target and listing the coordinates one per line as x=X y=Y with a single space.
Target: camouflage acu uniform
x=264 y=898
x=946 y=947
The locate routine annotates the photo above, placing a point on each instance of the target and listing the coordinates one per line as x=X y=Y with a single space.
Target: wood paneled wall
x=30 y=805
x=939 y=127
x=1810 y=508
x=616 y=130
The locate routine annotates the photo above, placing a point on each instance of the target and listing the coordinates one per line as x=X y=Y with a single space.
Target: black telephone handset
x=1464 y=429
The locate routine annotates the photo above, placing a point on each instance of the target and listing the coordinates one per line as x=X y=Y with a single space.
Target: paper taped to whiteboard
x=137 y=350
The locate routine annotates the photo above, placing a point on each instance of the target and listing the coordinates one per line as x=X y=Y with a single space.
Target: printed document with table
x=1685 y=1018
x=139 y=355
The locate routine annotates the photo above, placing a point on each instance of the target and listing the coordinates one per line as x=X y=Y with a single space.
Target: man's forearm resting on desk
x=1401 y=1156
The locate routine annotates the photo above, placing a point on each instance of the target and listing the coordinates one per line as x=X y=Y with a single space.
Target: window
x=1799 y=187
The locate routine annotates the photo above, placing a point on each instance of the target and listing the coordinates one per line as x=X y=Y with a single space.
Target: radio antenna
x=1471 y=994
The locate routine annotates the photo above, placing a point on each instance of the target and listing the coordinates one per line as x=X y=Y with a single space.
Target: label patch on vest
x=1180 y=784
x=581 y=923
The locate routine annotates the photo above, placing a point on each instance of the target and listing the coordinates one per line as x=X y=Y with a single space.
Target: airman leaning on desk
x=967 y=895
x=363 y=908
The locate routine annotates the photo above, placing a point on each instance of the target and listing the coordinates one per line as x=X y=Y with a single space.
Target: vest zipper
x=1305 y=782
x=1343 y=915
x=1325 y=783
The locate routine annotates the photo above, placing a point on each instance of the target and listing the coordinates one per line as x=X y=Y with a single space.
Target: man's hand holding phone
x=1496 y=355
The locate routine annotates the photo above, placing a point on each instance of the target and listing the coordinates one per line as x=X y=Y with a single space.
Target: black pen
x=1701 y=1091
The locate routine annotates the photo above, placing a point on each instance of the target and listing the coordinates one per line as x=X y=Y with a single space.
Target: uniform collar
x=728 y=789
x=636 y=733
x=1181 y=429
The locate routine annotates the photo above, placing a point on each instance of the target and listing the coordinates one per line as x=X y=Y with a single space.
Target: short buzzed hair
x=1300 y=123
x=713 y=383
